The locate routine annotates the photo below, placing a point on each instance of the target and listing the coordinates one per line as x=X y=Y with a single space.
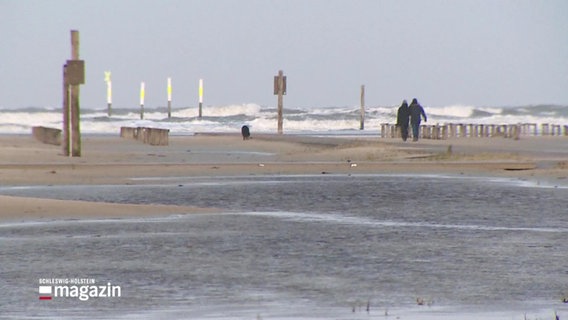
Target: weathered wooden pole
x=75 y=77
x=200 y=98
x=66 y=111
x=142 y=94
x=384 y=128
x=280 y=90
x=169 y=98
x=545 y=127
x=109 y=93
x=362 y=126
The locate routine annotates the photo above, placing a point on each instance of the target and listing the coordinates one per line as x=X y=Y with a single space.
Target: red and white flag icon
x=44 y=292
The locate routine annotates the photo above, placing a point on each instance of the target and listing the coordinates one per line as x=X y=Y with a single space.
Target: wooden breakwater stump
x=140 y=133
x=460 y=130
x=151 y=136
x=156 y=137
x=47 y=135
x=555 y=130
x=471 y=130
x=545 y=129
x=384 y=128
x=128 y=132
x=425 y=131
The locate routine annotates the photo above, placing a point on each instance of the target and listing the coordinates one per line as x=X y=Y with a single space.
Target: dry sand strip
x=25 y=209
x=112 y=160
x=137 y=173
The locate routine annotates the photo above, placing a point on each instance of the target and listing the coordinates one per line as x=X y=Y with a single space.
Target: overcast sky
x=483 y=53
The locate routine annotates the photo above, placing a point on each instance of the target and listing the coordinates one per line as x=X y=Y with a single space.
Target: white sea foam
x=352 y=220
x=457 y=111
x=229 y=118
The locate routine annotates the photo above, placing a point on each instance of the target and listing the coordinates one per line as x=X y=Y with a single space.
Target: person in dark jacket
x=416 y=111
x=402 y=117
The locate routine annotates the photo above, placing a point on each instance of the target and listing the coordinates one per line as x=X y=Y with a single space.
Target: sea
x=298 y=120
x=328 y=246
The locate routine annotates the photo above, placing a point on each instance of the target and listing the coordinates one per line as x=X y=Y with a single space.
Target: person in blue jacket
x=416 y=113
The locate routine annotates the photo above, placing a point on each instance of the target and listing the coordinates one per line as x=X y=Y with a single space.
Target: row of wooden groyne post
x=452 y=130
x=151 y=136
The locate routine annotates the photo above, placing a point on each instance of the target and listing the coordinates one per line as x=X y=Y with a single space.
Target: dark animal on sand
x=245 y=132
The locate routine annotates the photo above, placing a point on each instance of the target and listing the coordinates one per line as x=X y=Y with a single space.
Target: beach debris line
x=351 y=164
x=357 y=306
x=421 y=301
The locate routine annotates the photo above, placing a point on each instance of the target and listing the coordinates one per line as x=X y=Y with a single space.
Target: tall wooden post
x=142 y=94
x=109 y=92
x=200 y=97
x=362 y=108
x=66 y=110
x=73 y=76
x=280 y=90
x=75 y=109
x=169 y=98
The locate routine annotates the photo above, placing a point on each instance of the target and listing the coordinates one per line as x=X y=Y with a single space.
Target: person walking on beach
x=402 y=117
x=416 y=111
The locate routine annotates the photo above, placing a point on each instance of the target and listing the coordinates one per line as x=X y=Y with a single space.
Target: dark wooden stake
x=75 y=109
x=280 y=88
x=66 y=136
x=200 y=98
x=142 y=94
x=109 y=92
x=169 y=98
x=362 y=108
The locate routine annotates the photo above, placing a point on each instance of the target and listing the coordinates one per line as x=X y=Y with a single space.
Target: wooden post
x=461 y=130
x=200 y=98
x=545 y=129
x=142 y=94
x=362 y=125
x=66 y=110
x=280 y=90
x=517 y=132
x=444 y=131
x=75 y=110
x=109 y=93
x=490 y=130
x=169 y=98
x=556 y=129
x=47 y=135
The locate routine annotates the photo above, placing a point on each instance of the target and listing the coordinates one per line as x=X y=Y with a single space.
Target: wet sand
x=118 y=161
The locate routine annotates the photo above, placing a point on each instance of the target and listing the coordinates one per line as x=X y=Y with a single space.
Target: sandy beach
x=289 y=226
x=119 y=161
